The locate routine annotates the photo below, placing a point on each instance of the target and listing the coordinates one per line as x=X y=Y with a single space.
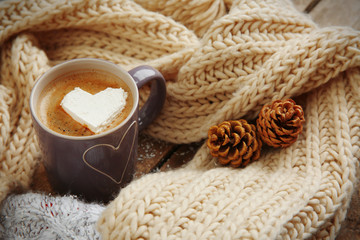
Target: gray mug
x=96 y=167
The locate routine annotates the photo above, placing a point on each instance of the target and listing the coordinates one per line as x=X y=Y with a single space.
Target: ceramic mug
x=96 y=167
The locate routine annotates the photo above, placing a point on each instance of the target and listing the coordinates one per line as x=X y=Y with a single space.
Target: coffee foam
x=54 y=117
x=43 y=105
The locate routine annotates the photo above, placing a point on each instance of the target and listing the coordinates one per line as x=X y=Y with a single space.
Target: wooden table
x=156 y=155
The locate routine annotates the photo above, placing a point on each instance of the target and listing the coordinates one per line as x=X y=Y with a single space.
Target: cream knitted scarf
x=222 y=59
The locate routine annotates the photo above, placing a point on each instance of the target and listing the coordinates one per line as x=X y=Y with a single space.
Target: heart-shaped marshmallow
x=94 y=111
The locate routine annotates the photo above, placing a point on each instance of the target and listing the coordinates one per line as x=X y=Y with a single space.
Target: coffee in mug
x=53 y=115
x=94 y=166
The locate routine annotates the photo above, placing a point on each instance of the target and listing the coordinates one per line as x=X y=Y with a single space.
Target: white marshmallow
x=94 y=111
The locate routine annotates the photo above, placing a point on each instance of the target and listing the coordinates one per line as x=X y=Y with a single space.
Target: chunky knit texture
x=33 y=216
x=222 y=60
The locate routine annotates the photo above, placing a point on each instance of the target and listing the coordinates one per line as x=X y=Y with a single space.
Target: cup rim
x=84 y=61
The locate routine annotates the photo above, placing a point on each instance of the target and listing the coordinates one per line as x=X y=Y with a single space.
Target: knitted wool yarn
x=222 y=60
x=35 y=216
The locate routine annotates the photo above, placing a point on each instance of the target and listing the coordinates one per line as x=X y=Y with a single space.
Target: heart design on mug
x=98 y=157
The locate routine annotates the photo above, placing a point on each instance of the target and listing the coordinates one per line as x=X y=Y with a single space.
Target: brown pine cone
x=280 y=123
x=234 y=143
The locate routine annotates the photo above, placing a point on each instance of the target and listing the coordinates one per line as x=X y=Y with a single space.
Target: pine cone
x=280 y=123
x=234 y=143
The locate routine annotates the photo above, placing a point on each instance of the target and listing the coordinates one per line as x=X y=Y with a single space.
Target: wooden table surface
x=155 y=155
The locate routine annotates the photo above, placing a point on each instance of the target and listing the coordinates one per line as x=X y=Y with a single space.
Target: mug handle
x=152 y=107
